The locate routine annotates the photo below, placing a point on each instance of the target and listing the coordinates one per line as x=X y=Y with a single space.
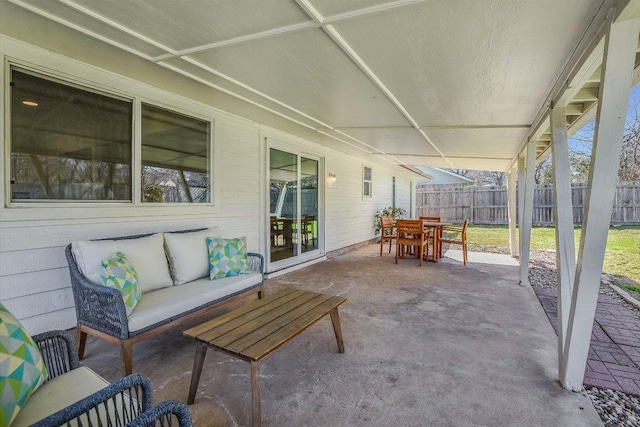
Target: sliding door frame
x=301 y=257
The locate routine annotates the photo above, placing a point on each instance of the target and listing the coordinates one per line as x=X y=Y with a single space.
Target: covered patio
x=366 y=90
x=441 y=345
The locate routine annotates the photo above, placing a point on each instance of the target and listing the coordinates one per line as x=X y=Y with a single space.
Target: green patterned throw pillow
x=22 y=369
x=227 y=257
x=117 y=272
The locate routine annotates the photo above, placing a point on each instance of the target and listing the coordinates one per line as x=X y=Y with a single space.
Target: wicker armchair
x=124 y=403
x=168 y=413
x=59 y=352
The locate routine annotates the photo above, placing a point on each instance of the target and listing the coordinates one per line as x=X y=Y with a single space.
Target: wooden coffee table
x=255 y=330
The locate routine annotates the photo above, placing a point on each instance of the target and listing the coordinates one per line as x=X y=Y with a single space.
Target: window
x=175 y=157
x=366 y=182
x=74 y=143
x=67 y=142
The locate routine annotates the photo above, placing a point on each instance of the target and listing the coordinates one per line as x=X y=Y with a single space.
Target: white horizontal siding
x=349 y=215
x=21 y=261
x=34 y=282
x=51 y=320
x=41 y=303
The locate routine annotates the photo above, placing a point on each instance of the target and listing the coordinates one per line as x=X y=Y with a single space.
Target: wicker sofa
x=166 y=300
x=75 y=395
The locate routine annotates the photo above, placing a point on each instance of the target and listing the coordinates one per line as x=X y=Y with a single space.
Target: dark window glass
x=175 y=157
x=68 y=143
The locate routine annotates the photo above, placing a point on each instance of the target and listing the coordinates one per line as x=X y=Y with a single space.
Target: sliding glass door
x=293 y=205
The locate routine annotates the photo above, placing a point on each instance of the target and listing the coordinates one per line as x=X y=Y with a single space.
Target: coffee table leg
x=255 y=393
x=201 y=352
x=335 y=318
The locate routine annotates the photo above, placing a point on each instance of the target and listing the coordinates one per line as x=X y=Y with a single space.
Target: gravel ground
x=615 y=408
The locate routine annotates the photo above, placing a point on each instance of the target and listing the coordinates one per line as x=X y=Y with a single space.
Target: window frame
x=365 y=181
x=210 y=150
x=157 y=98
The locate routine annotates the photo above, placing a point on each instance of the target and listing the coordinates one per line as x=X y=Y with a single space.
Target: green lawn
x=622 y=257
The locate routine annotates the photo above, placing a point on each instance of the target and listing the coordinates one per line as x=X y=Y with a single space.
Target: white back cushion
x=188 y=254
x=145 y=253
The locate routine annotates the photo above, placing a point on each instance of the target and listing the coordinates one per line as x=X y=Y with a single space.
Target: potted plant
x=394 y=213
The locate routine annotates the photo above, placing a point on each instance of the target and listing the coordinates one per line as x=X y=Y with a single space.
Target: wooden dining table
x=436 y=226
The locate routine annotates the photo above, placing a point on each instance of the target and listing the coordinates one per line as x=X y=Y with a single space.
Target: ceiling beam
x=586 y=95
x=450 y=157
x=425 y=127
x=498 y=126
x=78 y=28
x=293 y=28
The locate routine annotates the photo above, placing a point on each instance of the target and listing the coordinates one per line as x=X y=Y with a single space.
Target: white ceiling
x=446 y=83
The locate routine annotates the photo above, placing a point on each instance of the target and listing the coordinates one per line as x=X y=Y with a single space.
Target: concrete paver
x=614 y=355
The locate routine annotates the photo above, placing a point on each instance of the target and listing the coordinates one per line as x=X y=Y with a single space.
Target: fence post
x=472 y=205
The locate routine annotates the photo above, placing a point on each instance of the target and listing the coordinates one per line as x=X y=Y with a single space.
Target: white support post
x=563 y=220
x=511 y=197
x=520 y=200
x=527 y=214
x=619 y=57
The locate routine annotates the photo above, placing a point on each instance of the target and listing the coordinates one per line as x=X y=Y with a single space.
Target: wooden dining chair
x=276 y=231
x=308 y=230
x=454 y=235
x=387 y=232
x=411 y=233
x=433 y=230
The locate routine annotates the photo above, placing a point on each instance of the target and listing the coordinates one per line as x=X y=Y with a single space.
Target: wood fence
x=488 y=205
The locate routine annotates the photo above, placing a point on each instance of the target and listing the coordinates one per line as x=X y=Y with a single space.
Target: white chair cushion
x=145 y=253
x=59 y=393
x=168 y=302
x=188 y=254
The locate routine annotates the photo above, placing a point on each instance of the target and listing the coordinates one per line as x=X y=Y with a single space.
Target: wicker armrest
x=59 y=352
x=99 y=307
x=164 y=414
x=114 y=405
x=256 y=262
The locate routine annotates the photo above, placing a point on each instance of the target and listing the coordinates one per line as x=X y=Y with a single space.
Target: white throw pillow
x=146 y=253
x=188 y=254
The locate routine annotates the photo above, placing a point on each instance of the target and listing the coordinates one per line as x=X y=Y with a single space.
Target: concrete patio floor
x=441 y=345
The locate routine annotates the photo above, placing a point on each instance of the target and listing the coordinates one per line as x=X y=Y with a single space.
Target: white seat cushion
x=145 y=253
x=188 y=254
x=165 y=303
x=59 y=393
